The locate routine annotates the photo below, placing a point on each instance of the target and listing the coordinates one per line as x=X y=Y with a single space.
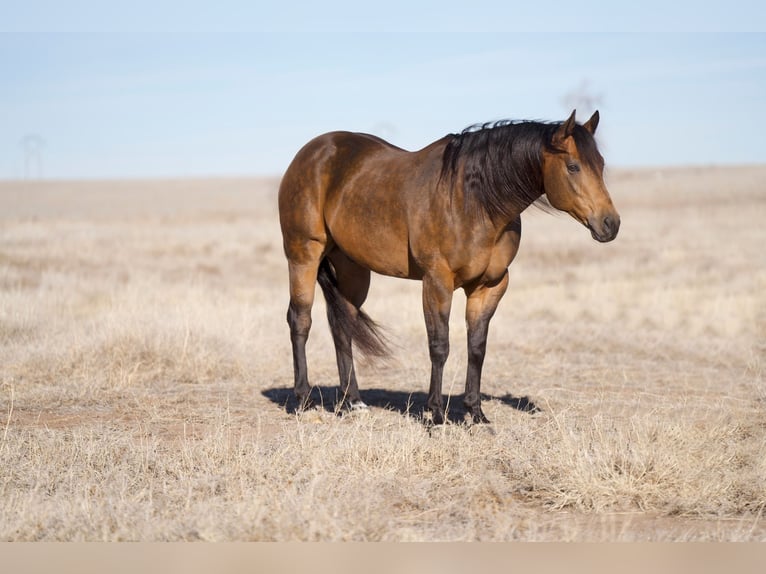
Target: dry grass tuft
x=644 y=463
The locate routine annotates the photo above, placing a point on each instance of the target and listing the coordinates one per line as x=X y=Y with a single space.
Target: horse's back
x=324 y=164
x=354 y=190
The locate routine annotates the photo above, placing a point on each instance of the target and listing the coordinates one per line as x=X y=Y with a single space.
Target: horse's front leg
x=480 y=307
x=437 y=301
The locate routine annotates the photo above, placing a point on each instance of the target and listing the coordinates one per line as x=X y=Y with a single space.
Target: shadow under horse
x=404 y=403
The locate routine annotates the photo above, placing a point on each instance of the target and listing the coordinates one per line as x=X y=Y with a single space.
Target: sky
x=117 y=94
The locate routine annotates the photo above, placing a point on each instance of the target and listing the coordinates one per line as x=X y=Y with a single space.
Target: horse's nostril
x=608 y=224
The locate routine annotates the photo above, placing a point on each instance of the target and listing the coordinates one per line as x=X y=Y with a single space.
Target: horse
x=448 y=215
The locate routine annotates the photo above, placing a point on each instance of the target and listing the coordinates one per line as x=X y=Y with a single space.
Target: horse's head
x=573 y=176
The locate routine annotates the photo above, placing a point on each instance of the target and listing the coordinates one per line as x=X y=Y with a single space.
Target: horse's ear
x=592 y=123
x=565 y=130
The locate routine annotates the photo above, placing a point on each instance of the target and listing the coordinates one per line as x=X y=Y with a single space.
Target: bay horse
x=447 y=215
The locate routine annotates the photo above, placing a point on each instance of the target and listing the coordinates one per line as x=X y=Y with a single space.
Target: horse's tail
x=363 y=331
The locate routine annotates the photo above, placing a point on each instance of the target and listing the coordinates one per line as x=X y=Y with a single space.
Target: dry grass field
x=145 y=376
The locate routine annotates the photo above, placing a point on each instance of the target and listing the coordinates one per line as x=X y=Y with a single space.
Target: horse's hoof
x=359 y=405
x=437 y=417
x=304 y=405
x=478 y=417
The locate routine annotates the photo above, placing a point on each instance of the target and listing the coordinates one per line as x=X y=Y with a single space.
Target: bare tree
x=583 y=99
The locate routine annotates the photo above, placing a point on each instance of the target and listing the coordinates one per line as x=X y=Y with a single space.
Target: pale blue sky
x=182 y=97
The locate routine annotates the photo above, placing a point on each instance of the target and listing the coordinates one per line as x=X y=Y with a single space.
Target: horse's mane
x=502 y=162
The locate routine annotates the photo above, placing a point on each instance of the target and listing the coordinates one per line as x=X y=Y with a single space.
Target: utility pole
x=32 y=146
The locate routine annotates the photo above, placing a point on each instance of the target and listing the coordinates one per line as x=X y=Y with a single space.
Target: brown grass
x=145 y=376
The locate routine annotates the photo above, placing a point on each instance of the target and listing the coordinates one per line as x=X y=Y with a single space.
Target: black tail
x=363 y=331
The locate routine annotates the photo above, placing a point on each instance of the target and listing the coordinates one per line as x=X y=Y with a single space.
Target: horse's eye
x=573 y=167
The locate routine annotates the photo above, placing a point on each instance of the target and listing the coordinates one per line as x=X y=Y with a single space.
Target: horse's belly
x=374 y=246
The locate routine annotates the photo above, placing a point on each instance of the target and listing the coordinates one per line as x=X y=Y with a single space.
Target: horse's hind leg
x=303 y=263
x=353 y=283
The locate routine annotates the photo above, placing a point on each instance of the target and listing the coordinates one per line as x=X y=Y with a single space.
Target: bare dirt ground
x=145 y=376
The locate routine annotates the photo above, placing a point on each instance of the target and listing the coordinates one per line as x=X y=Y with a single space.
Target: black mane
x=502 y=162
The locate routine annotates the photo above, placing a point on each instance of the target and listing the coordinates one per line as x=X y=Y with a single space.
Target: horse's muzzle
x=604 y=229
